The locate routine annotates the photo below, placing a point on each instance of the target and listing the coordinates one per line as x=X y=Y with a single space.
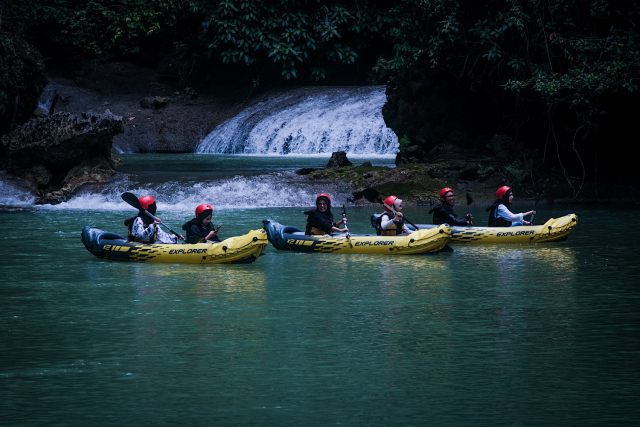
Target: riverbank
x=421 y=183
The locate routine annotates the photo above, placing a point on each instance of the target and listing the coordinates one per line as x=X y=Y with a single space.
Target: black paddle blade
x=372 y=195
x=132 y=200
x=469 y=199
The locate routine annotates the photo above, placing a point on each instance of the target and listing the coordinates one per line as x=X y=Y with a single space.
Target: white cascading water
x=240 y=192
x=315 y=121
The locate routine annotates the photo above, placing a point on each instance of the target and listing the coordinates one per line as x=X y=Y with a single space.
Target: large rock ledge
x=56 y=155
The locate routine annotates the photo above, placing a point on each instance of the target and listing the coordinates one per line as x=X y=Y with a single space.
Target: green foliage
x=289 y=33
x=94 y=26
x=295 y=35
x=404 y=142
x=485 y=171
x=563 y=51
x=517 y=173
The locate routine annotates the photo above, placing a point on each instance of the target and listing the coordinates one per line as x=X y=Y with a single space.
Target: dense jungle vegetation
x=575 y=61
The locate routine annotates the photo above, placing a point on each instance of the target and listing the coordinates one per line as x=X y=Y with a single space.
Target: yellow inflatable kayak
x=235 y=250
x=288 y=238
x=554 y=230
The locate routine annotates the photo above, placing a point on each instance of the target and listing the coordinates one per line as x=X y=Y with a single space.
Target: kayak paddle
x=469 y=201
x=344 y=218
x=534 y=208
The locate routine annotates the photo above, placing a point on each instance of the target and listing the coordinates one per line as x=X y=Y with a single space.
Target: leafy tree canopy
x=286 y=32
x=564 y=51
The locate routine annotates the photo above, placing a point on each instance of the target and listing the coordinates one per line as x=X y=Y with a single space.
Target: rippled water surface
x=524 y=335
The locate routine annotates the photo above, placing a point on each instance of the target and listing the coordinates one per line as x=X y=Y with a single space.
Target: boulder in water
x=58 y=154
x=338 y=159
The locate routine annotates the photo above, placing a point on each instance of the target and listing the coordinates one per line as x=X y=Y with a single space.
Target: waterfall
x=310 y=121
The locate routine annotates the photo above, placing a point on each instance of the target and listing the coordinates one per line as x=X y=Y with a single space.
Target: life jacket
x=191 y=238
x=129 y=223
x=497 y=222
x=311 y=230
x=394 y=230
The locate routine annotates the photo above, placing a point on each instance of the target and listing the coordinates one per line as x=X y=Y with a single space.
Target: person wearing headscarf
x=144 y=228
x=200 y=229
x=320 y=219
x=443 y=213
x=392 y=220
x=500 y=214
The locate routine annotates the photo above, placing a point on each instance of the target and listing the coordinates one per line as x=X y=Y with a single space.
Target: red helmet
x=203 y=208
x=325 y=196
x=146 y=201
x=502 y=191
x=444 y=191
x=388 y=203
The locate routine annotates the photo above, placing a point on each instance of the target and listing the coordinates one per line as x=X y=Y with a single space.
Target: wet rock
x=306 y=171
x=56 y=155
x=94 y=171
x=338 y=159
x=366 y=165
x=411 y=154
x=154 y=102
x=38 y=176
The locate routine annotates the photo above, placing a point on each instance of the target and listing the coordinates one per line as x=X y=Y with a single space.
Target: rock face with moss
x=414 y=183
x=56 y=155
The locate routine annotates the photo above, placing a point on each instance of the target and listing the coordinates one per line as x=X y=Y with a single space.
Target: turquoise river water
x=493 y=335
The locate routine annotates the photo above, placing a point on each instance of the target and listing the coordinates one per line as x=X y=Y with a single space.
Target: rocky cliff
x=57 y=155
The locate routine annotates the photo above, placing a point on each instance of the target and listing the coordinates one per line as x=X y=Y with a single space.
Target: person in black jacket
x=443 y=213
x=320 y=220
x=200 y=229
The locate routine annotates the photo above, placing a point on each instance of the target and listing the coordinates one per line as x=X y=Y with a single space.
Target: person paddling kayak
x=143 y=228
x=500 y=214
x=320 y=220
x=391 y=221
x=443 y=213
x=200 y=229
